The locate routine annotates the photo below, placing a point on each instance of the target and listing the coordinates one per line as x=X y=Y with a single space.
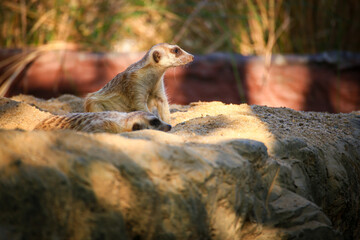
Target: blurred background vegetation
x=244 y=26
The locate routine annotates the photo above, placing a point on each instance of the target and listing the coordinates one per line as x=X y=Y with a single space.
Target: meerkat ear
x=156 y=56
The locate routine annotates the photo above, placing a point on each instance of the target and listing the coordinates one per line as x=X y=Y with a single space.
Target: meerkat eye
x=155 y=122
x=176 y=51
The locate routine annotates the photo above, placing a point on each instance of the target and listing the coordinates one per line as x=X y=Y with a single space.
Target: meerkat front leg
x=140 y=103
x=161 y=103
x=163 y=108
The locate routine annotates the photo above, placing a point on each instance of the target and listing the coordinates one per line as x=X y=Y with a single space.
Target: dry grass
x=17 y=63
x=245 y=26
x=260 y=27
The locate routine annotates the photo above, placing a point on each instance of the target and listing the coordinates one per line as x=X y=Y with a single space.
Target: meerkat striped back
x=111 y=121
x=75 y=121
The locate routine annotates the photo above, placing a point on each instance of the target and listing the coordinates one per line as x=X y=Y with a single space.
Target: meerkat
x=141 y=86
x=111 y=122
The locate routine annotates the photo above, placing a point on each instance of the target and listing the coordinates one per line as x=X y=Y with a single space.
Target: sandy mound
x=223 y=172
x=61 y=105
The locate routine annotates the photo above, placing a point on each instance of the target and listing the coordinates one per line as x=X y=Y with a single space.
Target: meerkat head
x=140 y=120
x=166 y=55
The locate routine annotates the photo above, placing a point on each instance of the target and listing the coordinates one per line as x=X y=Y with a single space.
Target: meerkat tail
x=97 y=103
x=91 y=104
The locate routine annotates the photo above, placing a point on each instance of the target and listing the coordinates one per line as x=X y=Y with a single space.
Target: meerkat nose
x=167 y=127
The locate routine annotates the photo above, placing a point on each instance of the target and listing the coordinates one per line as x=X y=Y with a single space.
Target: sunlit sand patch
x=215 y=122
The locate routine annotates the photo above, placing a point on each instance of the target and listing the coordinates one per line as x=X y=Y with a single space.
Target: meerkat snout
x=150 y=121
x=163 y=127
x=166 y=128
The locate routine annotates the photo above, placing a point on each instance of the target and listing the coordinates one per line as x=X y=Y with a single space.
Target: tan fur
x=141 y=86
x=113 y=122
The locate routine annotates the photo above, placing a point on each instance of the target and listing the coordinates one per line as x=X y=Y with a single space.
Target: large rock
x=223 y=172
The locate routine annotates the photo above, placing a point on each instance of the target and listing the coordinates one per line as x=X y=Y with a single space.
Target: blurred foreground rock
x=223 y=172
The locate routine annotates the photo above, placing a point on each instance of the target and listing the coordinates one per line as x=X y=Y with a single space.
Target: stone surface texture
x=223 y=172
